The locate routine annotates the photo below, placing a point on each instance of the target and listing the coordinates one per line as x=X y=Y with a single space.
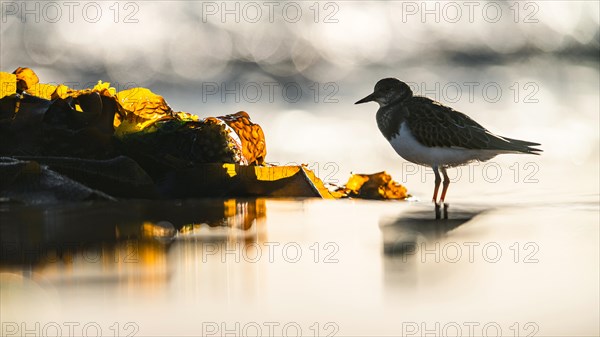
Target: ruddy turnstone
x=429 y=133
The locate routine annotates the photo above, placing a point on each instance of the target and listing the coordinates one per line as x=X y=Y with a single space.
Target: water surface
x=319 y=267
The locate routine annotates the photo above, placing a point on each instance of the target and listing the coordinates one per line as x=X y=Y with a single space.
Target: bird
x=428 y=133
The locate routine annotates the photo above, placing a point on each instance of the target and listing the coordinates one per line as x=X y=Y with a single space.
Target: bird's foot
x=439 y=212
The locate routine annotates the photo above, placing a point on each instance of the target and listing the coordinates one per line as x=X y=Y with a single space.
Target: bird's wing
x=434 y=124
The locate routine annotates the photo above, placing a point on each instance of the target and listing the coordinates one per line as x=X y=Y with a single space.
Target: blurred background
x=526 y=70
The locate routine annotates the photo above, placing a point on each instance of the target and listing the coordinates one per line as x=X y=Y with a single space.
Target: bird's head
x=388 y=90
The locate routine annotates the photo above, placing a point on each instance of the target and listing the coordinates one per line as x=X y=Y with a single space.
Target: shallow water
x=274 y=267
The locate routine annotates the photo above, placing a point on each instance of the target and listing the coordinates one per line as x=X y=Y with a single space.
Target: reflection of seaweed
x=51 y=231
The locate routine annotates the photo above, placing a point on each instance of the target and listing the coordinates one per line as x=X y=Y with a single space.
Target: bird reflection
x=402 y=234
x=408 y=236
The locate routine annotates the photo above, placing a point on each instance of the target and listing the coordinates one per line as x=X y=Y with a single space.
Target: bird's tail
x=524 y=146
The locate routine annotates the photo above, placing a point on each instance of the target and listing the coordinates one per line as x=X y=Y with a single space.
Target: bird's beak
x=369 y=98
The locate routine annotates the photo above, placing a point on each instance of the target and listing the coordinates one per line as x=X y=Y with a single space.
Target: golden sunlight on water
x=215 y=266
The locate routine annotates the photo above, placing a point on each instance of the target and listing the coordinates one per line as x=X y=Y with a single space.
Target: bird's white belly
x=410 y=149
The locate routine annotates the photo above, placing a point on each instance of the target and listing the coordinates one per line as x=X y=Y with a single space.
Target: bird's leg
x=445 y=185
x=444 y=190
x=438 y=180
x=438 y=211
x=446 y=211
